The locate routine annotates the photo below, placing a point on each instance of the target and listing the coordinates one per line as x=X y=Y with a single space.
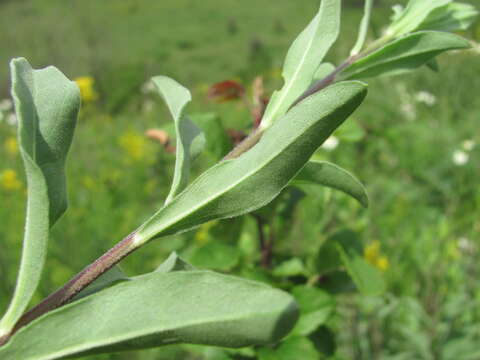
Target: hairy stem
x=76 y=284
x=245 y=145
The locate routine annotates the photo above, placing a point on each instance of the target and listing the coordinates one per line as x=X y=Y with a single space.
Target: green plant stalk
x=128 y=244
x=76 y=284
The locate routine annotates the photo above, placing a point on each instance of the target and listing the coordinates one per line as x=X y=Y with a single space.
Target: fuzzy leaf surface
x=47 y=106
x=450 y=17
x=413 y=15
x=405 y=54
x=333 y=176
x=303 y=58
x=363 y=29
x=196 y=307
x=244 y=184
x=189 y=136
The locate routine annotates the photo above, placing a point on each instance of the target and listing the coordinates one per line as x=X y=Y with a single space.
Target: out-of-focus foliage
x=414 y=144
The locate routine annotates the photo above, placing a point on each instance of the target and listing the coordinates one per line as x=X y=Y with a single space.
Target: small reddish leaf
x=225 y=91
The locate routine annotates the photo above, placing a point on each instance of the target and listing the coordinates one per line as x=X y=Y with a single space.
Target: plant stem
x=265 y=244
x=245 y=145
x=257 y=133
x=76 y=284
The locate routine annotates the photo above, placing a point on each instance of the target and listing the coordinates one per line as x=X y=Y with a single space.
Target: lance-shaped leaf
x=303 y=59
x=450 y=17
x=316 y=306
x=190 y=138
x=345 y=248
x=405 y=54
x=238 y=186
x=47 y=105
x=413 y=15
x=333 y=176
x=362 y=31
x=196 y=307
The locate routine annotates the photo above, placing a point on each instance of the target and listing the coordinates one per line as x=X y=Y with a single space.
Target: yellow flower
x=372 y=255
x=382 y=263
x=11 y=146
x=87 y=92
x=372 y=251
x=9 y=180
x=133 y=144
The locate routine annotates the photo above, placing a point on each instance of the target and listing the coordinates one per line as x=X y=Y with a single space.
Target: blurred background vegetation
x=414 y=143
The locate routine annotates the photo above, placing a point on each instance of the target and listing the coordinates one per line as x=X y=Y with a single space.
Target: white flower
x=6 y=105
x=12 y=119
x=426 y=98
x=331 y=143
x=468 y=145
x=460 y=157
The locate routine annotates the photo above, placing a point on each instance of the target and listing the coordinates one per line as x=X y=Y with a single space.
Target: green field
x=414 y=143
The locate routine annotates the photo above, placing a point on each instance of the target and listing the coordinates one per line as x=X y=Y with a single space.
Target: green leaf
x=190 y=139
x=241 y=185
x=450 y=17
x=350 y=131
x=349 y=252
x=303 y=58
x=362 y=31
x=333 y=176
x=197 y=307
x=404 y=54
x=47 y=105
x=293 y=348
x=433 y=65
x=115 y=275
x=316 y=306
x=412 y=16
x=292 y=267
x=328 y=257
x=218 y=144
x=174 y=263
x=324 y=340
x=216 y=255
x=367 y=278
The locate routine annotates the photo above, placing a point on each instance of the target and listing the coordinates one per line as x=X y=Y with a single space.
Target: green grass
x=422 y=204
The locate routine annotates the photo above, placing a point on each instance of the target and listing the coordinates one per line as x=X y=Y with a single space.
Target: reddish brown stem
x=76 y=284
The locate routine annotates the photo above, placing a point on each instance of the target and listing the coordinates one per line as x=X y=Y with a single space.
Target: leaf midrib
x=290 y=83
x=234 y=184
x=398 y=57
